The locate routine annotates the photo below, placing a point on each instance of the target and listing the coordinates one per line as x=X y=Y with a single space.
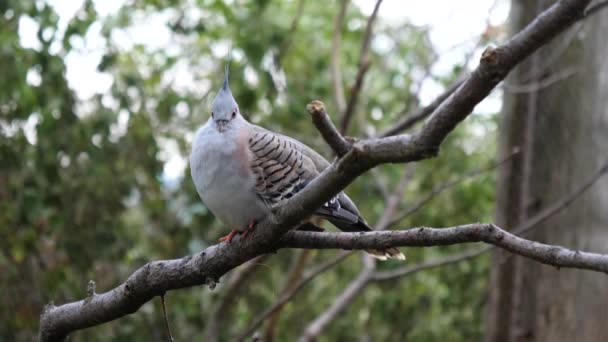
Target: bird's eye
x=233 y=114
x=212 y=115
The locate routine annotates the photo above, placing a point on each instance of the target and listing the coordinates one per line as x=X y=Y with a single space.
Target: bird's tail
x=384 y=254
x=362 y=226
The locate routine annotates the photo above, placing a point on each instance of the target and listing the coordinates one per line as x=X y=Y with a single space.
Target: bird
x=242 y=171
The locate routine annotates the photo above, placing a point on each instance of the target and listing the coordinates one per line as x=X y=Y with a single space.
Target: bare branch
x=233 y=291
x=312 y=330
x=448 y=185
x=294 y=275
x=419 y=114
x=409 y=270
x=320 y=324
x=595 y=8
x=394 y=199
x=284 y=47
x=328 y=131
x=208 y=266
x=287 y=296
x=336 y=70
x=521 y=229
x=478 y=232
x=541 y=84
x=364 y=64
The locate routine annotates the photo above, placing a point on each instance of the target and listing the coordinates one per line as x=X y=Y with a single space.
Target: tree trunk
x=562 y=131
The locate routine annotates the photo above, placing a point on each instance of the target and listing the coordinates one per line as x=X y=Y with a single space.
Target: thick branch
x=358 y=285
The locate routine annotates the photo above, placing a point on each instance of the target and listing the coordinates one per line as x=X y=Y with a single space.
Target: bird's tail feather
x=384 y=254
x=362 y=226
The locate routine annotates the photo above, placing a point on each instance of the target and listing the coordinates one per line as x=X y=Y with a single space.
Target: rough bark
x=569 y=125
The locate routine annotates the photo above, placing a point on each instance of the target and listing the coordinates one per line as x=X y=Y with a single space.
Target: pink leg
x=250 y=227
x=230 y=236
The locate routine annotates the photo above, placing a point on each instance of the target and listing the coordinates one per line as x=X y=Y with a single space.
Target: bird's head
x=224 y=109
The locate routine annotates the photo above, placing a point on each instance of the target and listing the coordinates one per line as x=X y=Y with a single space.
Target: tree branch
x=391 y=200
x=364 y=65
x=208 y=266
x=447 y=185
x=521 y=229
x=355 y=288
x=287 y=296
x=235 y=288
x=336 y=70
x=328 y=131
x=314 y=329
x=423 y=237
x=420 y=114
x=291 y=279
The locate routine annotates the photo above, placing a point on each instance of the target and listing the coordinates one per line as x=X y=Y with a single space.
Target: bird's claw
x=229 y=237
x=250 y=227
x=234 y=232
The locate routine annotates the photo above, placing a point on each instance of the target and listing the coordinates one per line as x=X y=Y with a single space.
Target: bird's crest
x=225 y=86
x=224 y=102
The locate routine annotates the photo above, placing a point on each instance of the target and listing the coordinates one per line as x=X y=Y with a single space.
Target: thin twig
x=364 y=64
x=162 y=304
x=448 y=185
x=287 y=296
x=420 y=114
x=314 y=328
x=395 y=198
x=294 y=275
x=291 y=35
x=541 y=84
x=336 y=68
x=595 y=8
x=522 y=229
x=234 y=289
x=411 y=269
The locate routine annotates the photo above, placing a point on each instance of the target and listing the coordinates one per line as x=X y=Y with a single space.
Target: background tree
x=560 y=121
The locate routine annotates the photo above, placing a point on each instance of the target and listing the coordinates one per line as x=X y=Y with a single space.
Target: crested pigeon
x=241 y=171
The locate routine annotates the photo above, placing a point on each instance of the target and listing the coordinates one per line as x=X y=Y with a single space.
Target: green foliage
x=83 y=194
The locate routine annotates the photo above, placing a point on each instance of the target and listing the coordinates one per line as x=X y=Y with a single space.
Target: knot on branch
x=211 y=282
x=48 y=307
x=489 y=56
x=316 y=107
x=90 y=291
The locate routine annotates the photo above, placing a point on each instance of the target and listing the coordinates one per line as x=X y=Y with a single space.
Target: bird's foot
x=250 y=227
x=230 y=236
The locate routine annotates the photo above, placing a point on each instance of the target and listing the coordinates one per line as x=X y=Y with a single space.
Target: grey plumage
x=241 y=171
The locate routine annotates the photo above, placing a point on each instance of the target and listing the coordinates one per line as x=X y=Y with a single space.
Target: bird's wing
x=280 y=167
x=283 y=166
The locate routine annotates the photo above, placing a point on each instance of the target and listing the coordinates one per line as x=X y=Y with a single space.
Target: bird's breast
x=221 y=170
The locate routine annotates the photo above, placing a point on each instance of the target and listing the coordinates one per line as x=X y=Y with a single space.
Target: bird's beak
x=221 y=125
